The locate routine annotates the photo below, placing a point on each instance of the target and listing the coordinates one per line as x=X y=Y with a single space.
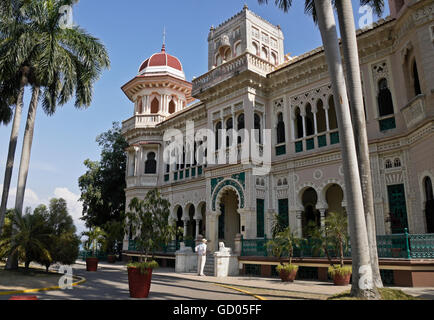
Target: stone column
x=303 y=116
x=185 y=227
x=299 y=221
x=322 y=216
x=315 y=123
x=197 y=228
x=212 y=230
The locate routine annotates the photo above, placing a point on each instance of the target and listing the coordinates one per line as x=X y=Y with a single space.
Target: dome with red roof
x=162 y=63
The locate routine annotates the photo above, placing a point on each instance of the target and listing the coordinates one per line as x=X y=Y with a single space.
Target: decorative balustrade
x=141 y=121
x=227 y=70
x=319 y=140
x=398 y=246
x=171 y=247
x=142 y=181
x=414 y=111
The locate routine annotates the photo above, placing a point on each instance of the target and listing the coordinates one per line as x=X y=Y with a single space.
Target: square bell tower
x=245 y=31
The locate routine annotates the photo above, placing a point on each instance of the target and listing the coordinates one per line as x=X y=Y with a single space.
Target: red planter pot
x=287 y=276
x=91 y=264
x=339 y=280
x=139 y=284
x=111 y=259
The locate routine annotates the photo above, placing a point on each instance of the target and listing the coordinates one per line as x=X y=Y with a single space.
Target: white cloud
x=31 y=199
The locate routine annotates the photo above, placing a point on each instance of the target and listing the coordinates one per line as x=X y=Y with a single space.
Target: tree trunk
x=362 y=284
x=12 y=262
x=11 y=153
x=352 y=65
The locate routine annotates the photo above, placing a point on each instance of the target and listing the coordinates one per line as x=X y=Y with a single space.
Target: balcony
x=142 y=181
x=228 y=70
x=141 y=121
x=414 y=111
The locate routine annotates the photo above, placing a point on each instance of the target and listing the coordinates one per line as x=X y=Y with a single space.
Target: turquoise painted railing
x=84 y=254
x=403 y=246
x=172 y=247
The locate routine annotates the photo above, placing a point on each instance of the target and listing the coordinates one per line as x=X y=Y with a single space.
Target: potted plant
x=114 y=232
x=283 y=243
x=336 y=230
x=148 y=221
x=95 y=239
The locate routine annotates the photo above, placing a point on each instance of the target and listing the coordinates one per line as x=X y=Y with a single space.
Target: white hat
x=204 y=240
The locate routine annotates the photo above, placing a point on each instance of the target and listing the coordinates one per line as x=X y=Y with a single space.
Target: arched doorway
x=334 y=197
x=429 y=204
x=311 y=216
x=191 y=225
x=202 y=223
x=179 y=222
x=229 y=218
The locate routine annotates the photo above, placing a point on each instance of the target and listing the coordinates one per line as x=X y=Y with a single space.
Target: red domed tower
x=158 y=90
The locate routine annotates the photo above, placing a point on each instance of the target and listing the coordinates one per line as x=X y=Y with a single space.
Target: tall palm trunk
x=352 y=65
x=11 y=153
x=12 y=262
x=362 y=284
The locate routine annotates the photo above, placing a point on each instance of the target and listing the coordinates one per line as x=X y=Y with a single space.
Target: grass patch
x=386 y=294
x=21 y=279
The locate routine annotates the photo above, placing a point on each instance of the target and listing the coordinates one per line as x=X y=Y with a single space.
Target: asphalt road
x=112 y=284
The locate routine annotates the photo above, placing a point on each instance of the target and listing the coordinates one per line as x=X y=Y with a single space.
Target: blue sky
x=132 y=31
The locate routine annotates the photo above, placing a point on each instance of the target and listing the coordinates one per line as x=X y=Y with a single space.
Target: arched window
x=257 y=126
x=150 y=164
x=273 y=58
x=229 y=126
x=385 y=102
x=240 y=126
x=218 y=128
x=397 y=163
x=227 y=54
x=264 y=53
x=255 y=48
x=139 y=105
x=298 y=123
x=218 y=60
x=429 y=196
x=310 y=130
x=155 y=106
x=172 y=107
x=280 y=128
x=416 y=82
x=388 y=164
x=321 y=117
x=333 y=122
x=237 y=49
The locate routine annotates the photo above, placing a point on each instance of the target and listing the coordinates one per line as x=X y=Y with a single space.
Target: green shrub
x=286 y=267
x=340 y=270
x=143 y=266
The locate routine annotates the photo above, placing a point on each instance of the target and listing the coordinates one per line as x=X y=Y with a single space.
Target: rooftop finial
x=164 y=40
x=245 y=6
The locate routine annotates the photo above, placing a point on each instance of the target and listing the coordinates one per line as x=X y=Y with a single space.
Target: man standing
x=201 y=257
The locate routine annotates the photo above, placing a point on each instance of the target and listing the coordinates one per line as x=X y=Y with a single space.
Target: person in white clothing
x=201 y=257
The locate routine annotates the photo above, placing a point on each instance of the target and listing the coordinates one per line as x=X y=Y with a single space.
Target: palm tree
x=15 y=52
x=352 y=66
x=67 y=61
x=359 y=239
x=29 y=241
x=96 y=238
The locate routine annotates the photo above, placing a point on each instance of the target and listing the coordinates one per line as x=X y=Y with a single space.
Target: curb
x=240 y=290
x=7 y=293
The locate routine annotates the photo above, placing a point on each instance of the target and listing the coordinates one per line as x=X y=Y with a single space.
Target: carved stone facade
x=293 y=98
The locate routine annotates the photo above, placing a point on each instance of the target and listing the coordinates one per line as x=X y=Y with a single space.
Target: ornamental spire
x=163 y=49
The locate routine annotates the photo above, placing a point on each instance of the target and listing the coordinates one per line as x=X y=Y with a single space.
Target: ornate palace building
x=251 y=84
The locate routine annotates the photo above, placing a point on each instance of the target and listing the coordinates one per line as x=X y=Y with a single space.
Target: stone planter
x=288 y=276
x=342 y=280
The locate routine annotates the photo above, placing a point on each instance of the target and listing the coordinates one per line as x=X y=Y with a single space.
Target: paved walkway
x=320 y=290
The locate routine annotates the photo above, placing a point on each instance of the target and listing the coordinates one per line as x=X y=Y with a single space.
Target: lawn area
x=22 y=279
x=386 y=294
